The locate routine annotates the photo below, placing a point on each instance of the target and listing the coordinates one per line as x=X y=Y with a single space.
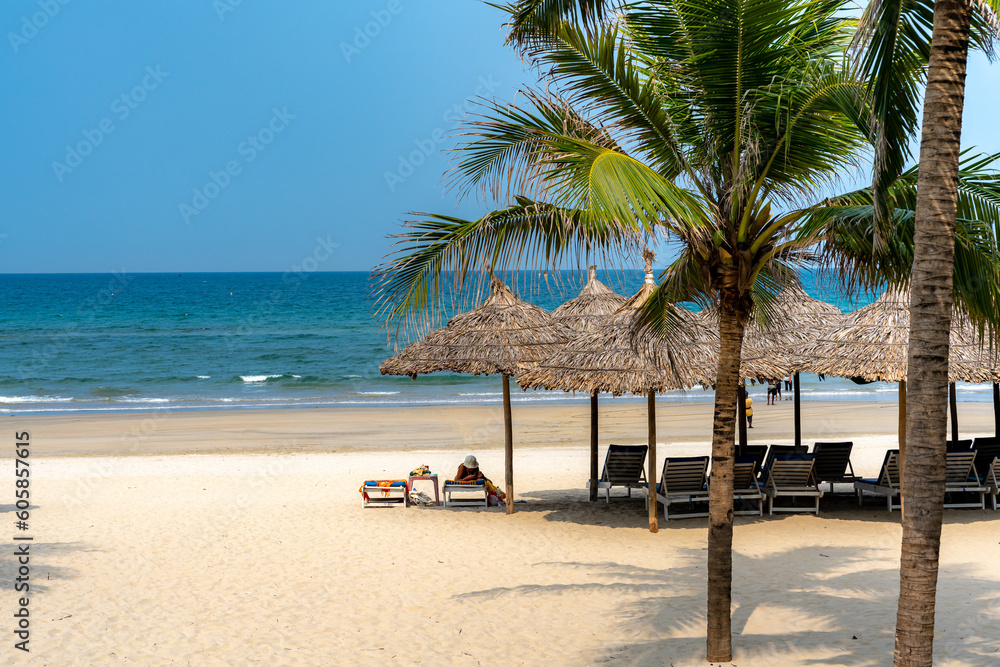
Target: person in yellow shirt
x=749 y=412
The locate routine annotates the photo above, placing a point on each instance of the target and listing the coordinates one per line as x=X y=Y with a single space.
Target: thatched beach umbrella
x=503 y=336
x=771 y=351
x=591 y=308
x=987 y=355
x=870 y=344
x=609 y=359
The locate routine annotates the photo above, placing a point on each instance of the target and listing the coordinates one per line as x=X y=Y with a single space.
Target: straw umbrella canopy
x=595 y=303
x=870 y=344
x=612 y=359
x=987 y=357
x=591 y=308
x=770 y=351
x=503 y=336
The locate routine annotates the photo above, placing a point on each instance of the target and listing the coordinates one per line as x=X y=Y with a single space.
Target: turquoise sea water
x=222 y=340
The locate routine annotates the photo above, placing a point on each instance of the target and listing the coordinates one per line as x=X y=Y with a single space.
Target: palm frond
x=531 y=20
x=410 y=287
x=868 y=251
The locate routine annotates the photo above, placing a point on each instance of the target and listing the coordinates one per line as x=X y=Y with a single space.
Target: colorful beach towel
x=421 y=470
x=384 y=484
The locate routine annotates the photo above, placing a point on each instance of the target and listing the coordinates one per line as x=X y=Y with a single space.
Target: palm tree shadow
x=803 y=606
x=40 y=574
x=819 y=606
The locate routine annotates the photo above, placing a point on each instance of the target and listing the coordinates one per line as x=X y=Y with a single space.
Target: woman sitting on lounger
x=469 y=472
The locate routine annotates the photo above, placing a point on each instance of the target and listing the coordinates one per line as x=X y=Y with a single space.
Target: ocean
x=88 y=342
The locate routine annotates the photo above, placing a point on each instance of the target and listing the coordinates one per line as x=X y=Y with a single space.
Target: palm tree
x=930 y=321
x=904 y=43
x=720 y=122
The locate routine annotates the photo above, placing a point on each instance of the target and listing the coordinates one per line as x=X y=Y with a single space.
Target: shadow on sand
x=829 y=603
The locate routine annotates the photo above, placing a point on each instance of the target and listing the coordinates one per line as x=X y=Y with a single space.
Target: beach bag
x=420 y=470
x=494 y=496
x=420 y=498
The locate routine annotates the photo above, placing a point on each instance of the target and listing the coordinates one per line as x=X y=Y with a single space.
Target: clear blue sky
x=299 y=130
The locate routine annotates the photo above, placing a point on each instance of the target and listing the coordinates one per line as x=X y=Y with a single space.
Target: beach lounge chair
x=960 y=477
x=775 y=450
x=887 y=482
x=745 y=486
x=623 y=466
x=791 y=475
x=758 y=452
x=986 y=449
x=833 y=463
x=959 y=445
x=992 y=481
x=381 y=492
x=682 y=483
x=470 y=494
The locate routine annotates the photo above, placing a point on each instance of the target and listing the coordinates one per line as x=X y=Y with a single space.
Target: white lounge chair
x=887 y=482
x=470 y=494
x=791 y=475
x=623 y=466
x=376 y=493
x=682 y=483
x=746 y=487
x=992 y=480
x=960 y=477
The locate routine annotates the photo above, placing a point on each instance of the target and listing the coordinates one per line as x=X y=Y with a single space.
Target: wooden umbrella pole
x=996 y=409
x=508 y=446
x=953 y=402
x=593 y=447
x=741 y=407
x=798 y=412
x=651 y=477
x=902 y=442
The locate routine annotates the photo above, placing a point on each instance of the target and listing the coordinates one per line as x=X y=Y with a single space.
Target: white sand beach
x=260 y=553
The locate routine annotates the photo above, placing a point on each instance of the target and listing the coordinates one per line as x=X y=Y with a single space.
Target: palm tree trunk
x=931 y=295
x=654 y=525
x=720 y=508
x=593 y=447
x=508 y=446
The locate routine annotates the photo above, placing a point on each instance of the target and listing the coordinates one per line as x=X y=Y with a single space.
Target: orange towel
x=384 y=484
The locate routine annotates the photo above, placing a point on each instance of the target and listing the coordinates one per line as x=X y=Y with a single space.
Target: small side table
x=429 y=478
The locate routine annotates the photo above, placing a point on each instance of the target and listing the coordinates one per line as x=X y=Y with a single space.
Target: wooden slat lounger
x=833 y=463
x=960 y=477
x=791 y=475
x=887 y=482
x=746 y=487
x=623 y=466
x=683 y=483
x=471 y=494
